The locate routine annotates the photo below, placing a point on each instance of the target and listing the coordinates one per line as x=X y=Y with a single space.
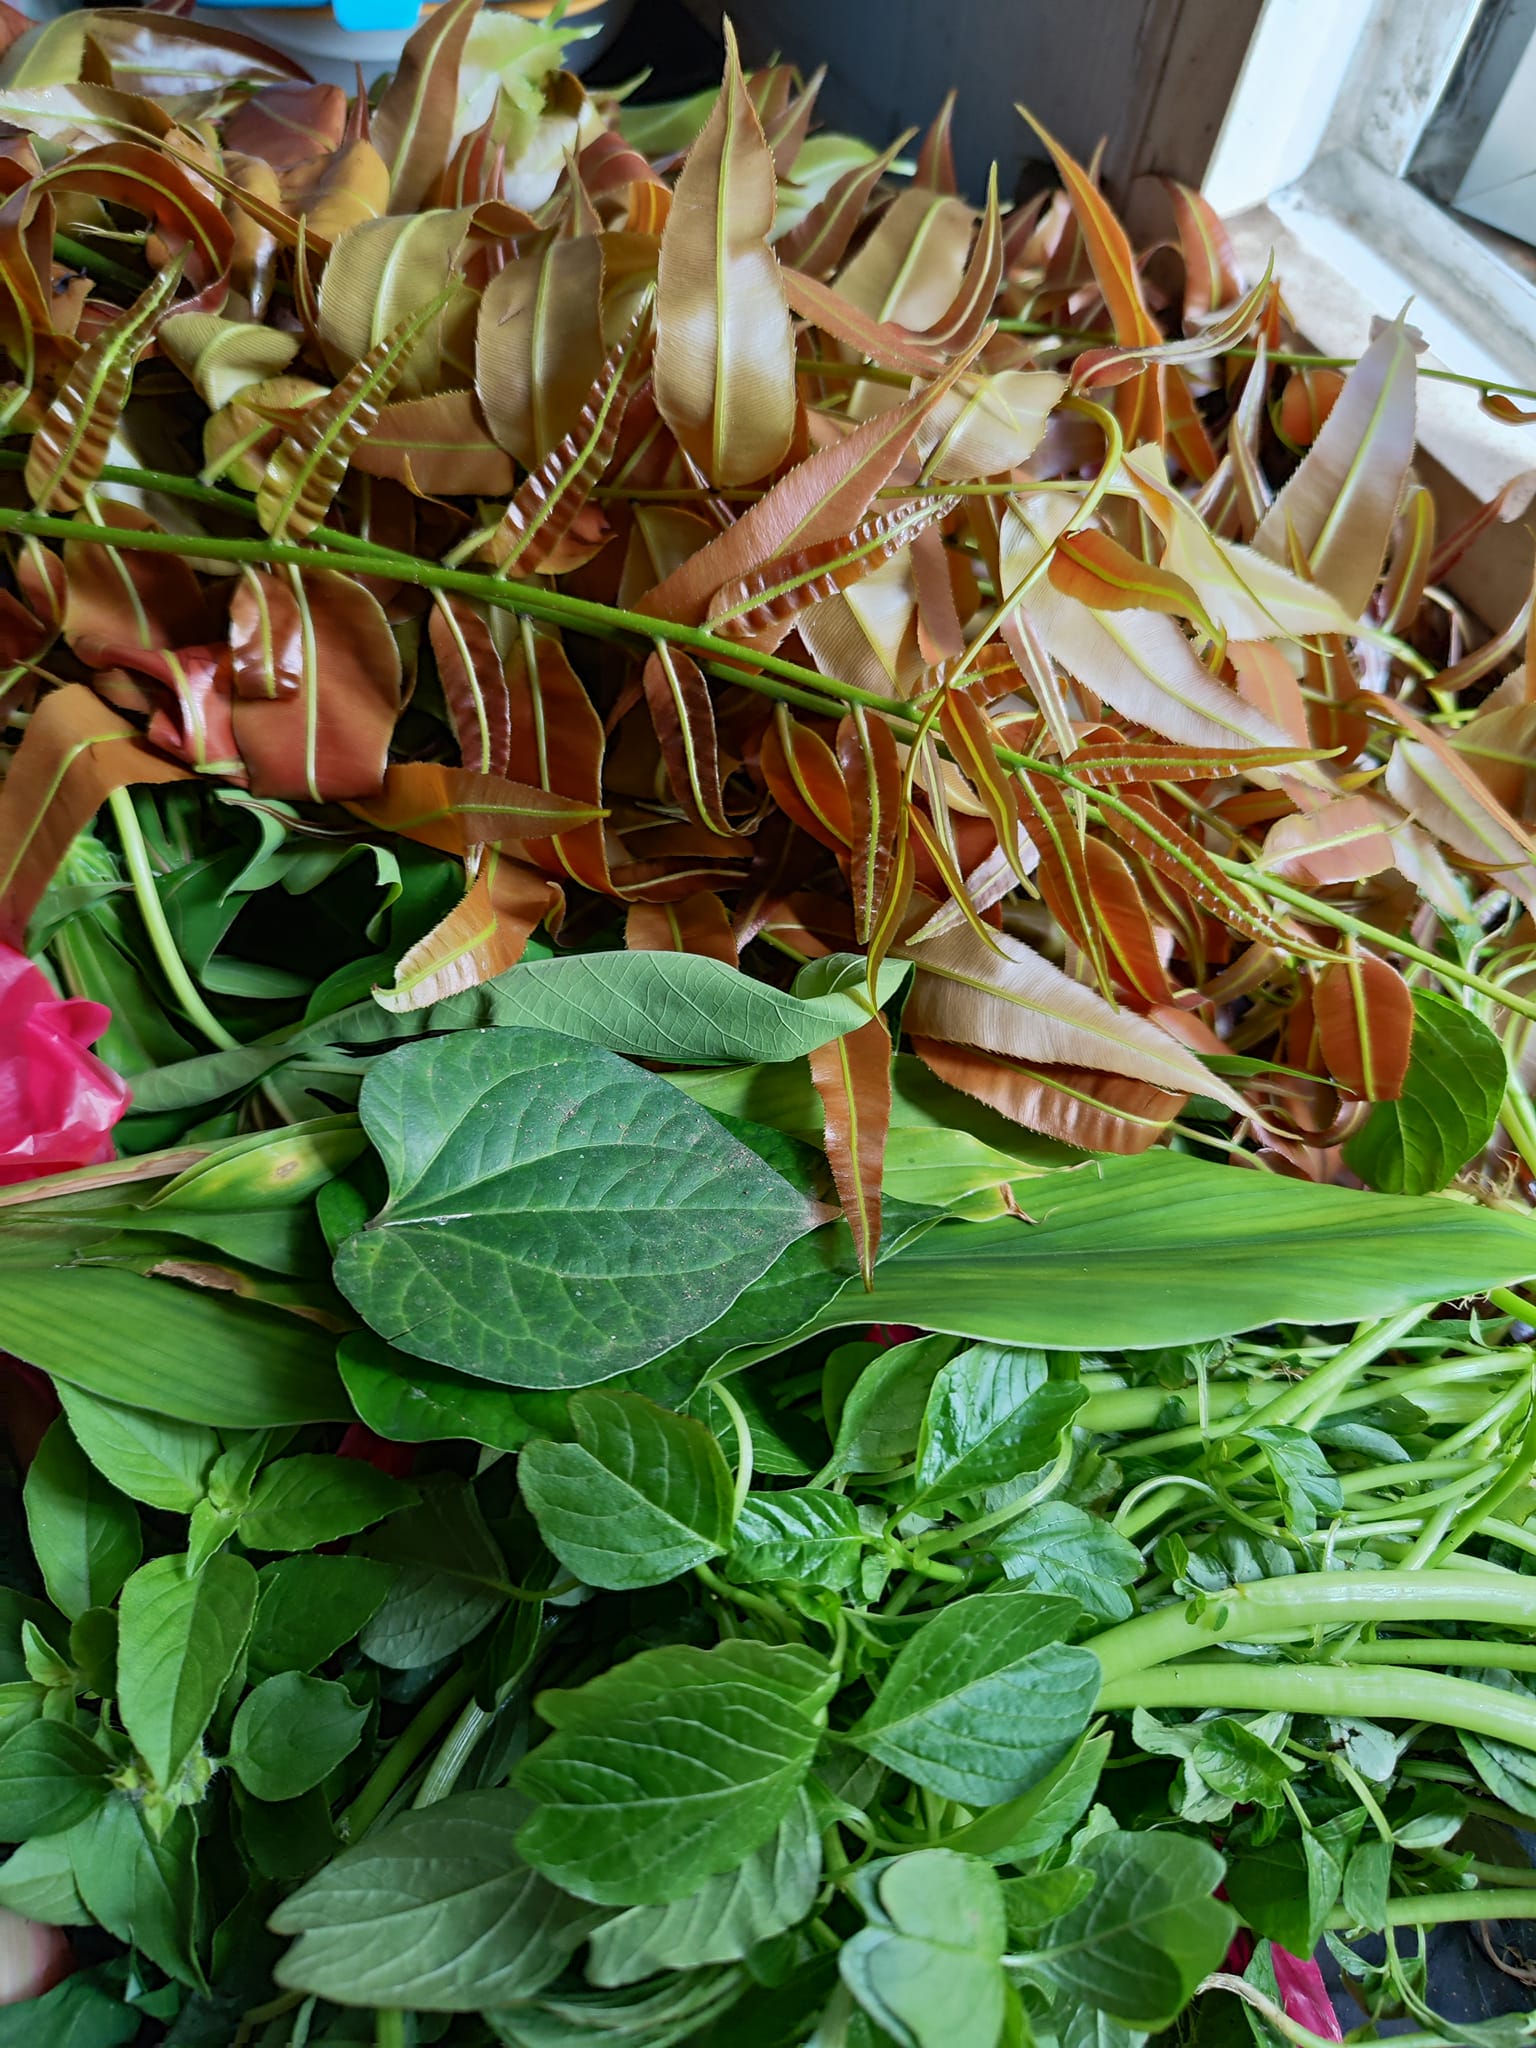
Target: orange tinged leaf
x=1173 y=852
x=539 y=346
x=1094 y=568
x=317 y=684
x=817 y=244
x=481 y=937
x=683 y=715
x=1211 y=277
x=762 y=607
x=549 y=501
x=436 y=447
x=804 y=781
x=1305 y=403
x=871 y=766
x=73 y=754
x=1364 y=1014
x=852 y=1075
x=413 y=122
x=697 y=924
x=725 y=371
x=69 y=448
x=473 y=679
x=1099 y=1112
x=892 y=346
x=1341 y=841
x=454 y=809
x=557 y=745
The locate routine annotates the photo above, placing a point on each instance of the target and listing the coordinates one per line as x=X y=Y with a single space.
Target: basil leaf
x=985 y=1698
x=436 y=1911
x=727 y=1916
x=993 y=1413
x=50 y=1777
x=85 y=1534
x=882 y=1417
x=641 y=1496
x=630 y=1815
x=38 y=1882
x=1146 y=1934
x=141 y=1886
x=810 y=1535
x=451 y=1580
x=151 y=1458
x=1457 y=1074
x=310 y=1499
x=928 y=1967
x=307 y=1607
x=555 y=1215
x=1057 y=1548
x=180 y=1640
x=291 y=1732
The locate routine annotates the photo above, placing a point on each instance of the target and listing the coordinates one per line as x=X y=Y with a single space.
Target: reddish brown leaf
x=465 y=643
x=816 y=245
x=1211 y=277
x=539 y=346
x=1364 y=1013
x=871 y=766
x=1341 y=841
x=73 y=754
x=887 y=343
x=286 y=125
x=454 y=809
x=436 y=447
x=120 y=603
x=697 y=924
x=144 y=179
x=852 y=1075
x=1099 y=1112
x=762 y=607
x=413 y=123
x=802 y=776
x=1095 y=569
x=1167 y=847
x=481 y=937
x=317 y=683
x=1109 y=764
x=1305 y=403
x=683 y=714
x=549 y=501
x=557 y=745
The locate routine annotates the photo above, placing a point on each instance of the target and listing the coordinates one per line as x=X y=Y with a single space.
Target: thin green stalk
x=152 y=911
x=740 y=1425
x=1439 y=1909
x=1313 y=1600
x=769 y=674
x=389 y=2028
x=404 y=1753
x=1337 y=1691
x=1510 y=1480
x=81 y=256
x=447 y=1766
x=1306 y=1401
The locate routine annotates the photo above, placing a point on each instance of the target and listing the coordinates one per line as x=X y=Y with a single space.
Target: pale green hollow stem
x=1312 y=1599
x=1476 y=1656
x=1339 y=1691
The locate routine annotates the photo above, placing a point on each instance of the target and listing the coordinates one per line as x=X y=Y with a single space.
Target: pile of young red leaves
x=708 y=538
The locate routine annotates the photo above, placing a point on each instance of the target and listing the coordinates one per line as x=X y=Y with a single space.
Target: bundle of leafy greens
x=819 y=920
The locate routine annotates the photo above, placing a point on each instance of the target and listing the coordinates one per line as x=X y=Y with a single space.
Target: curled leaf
x=852 y=1075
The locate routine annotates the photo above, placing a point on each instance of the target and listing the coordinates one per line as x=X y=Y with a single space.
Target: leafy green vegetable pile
x=814 y=983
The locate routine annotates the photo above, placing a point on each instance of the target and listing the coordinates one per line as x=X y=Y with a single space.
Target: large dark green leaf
x=1165 y=1249
x=556 y=1216
x=1146 y=1934
x=1445 y=1115
x=928 y=1967
x=633 y=1811
x=182 y=1352
x=993 y=1413
x=436 y=1911
x=726 y=1917
x=641 y=1496
x=985 y=1698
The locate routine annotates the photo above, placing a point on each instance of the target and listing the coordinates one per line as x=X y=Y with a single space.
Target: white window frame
x=1311 y=162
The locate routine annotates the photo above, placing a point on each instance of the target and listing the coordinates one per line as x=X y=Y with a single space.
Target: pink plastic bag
x=58 y=1103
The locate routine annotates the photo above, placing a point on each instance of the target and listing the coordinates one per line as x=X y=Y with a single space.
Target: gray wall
x=1152 y=76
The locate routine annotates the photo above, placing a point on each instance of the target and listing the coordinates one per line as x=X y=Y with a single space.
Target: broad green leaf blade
x=180 y=1639
x=452 y=1578
x=181 y=1352
x=725 y=1918
x=412 y=1401
x=883 y=1415
x=436 y=1912
x=993 y=1414
x=85 y=1534
x=149 y=1457
x=676 y=1007
x=51 y=1776
x=140 y=1886
x=641 y=1496
x=311 y=1499
x=1456 y=1077
x=1146 y=1934
x=291 y=1732
x=635 y=1812
x=1165 y=1249
x=307 y=1607
x=928 y=1967
x=1058 y=1548
x=555 y=1216
x=984 y=1699
x=810 y=1536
